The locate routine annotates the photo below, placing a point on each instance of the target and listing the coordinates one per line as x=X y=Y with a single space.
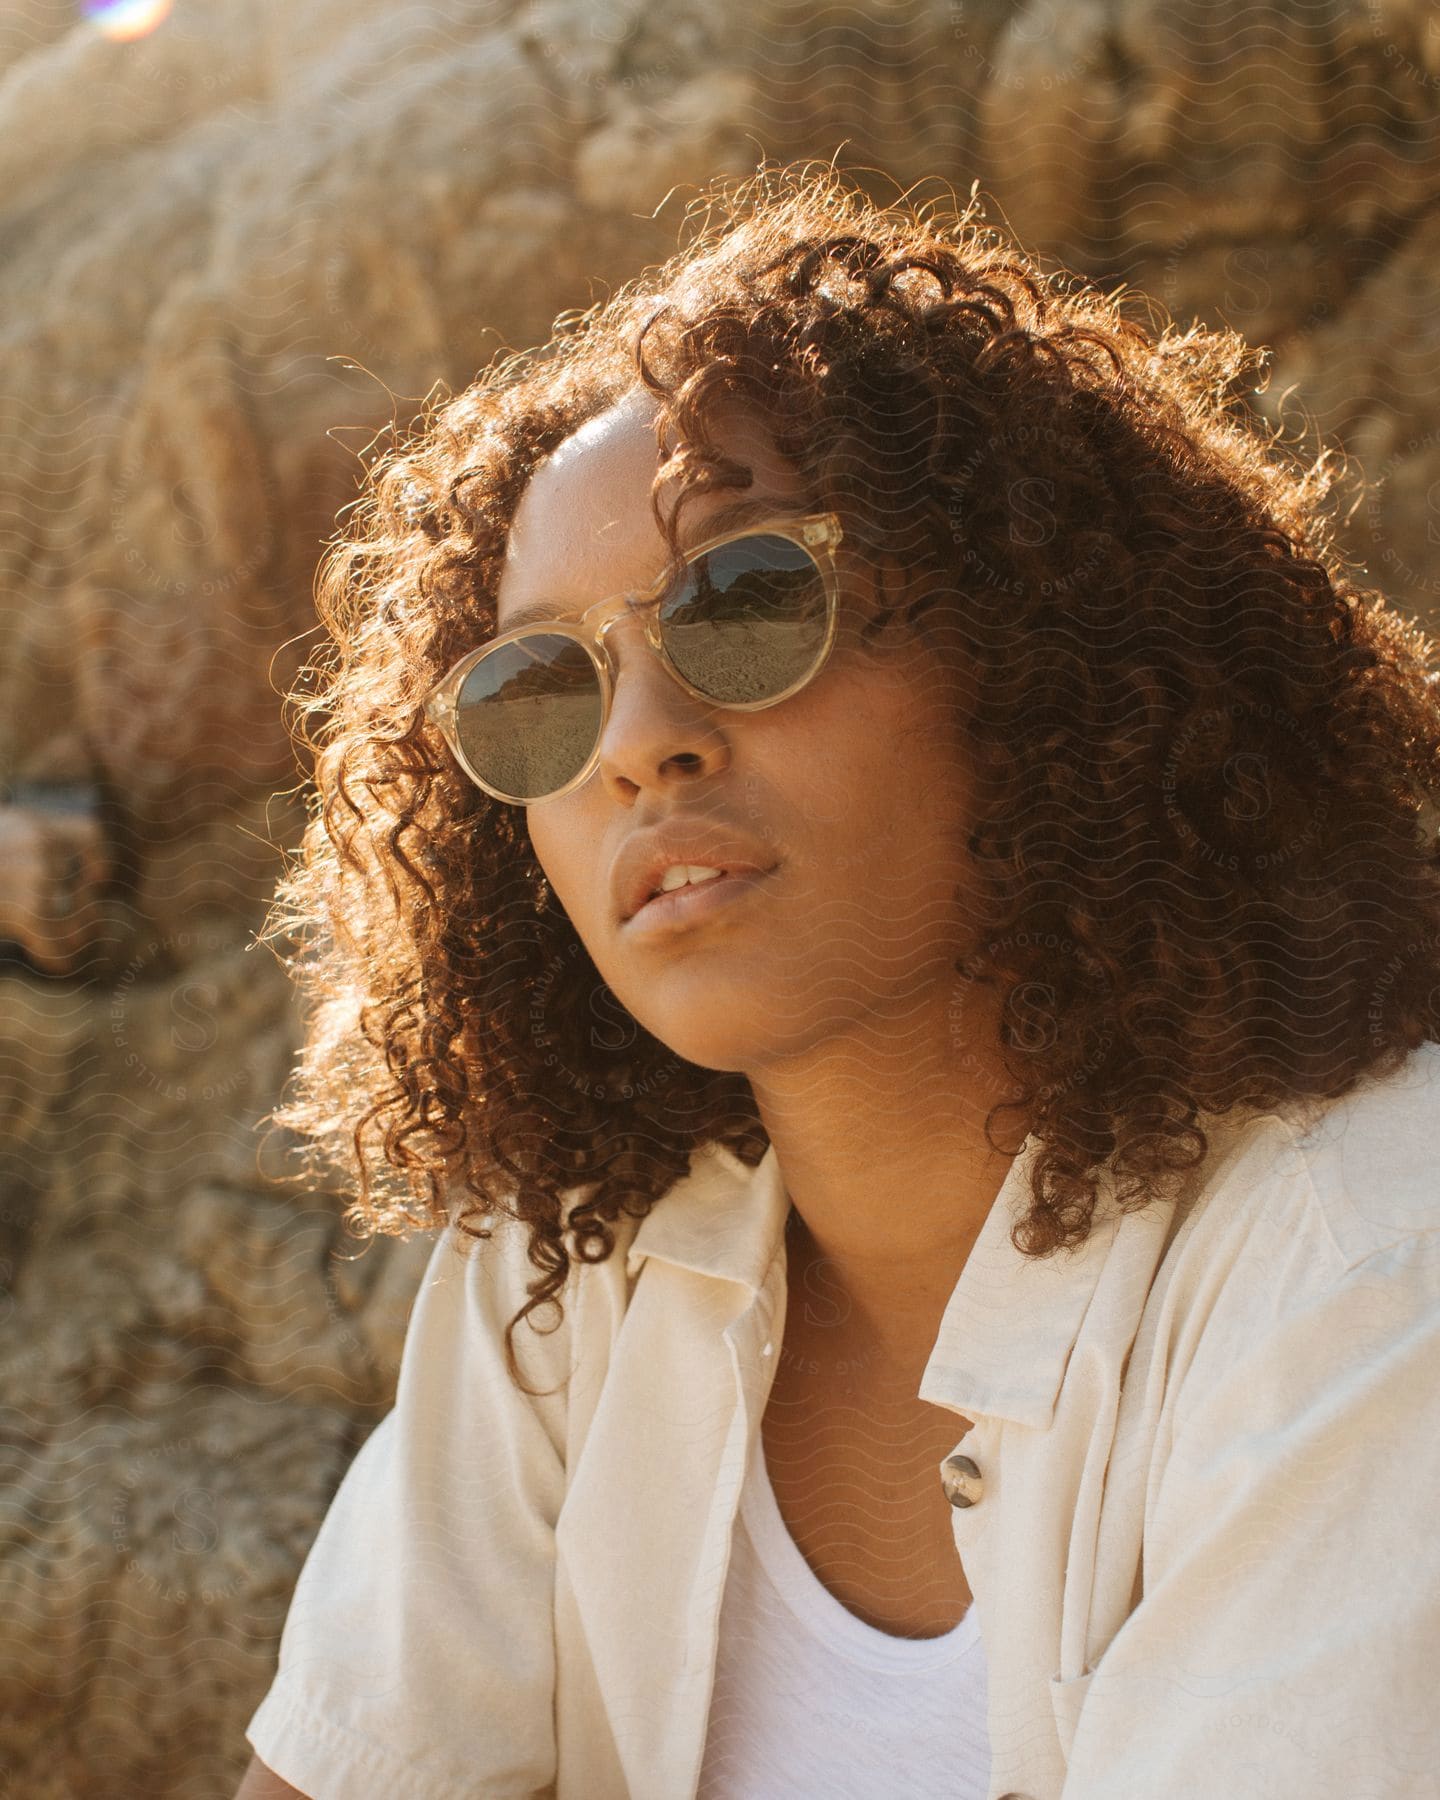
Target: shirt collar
x=1012 y=1320
x=722 y=1218
x=1010 y=1323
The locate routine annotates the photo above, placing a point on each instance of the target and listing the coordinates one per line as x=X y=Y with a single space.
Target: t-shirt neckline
x=815 y=1608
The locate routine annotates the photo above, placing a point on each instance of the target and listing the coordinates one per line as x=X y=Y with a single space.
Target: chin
x=705 y=1051
x=693 y=1037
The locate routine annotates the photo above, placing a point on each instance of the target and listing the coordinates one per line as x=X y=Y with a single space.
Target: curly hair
x=1206 y=866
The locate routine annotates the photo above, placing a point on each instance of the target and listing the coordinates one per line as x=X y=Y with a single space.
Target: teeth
x=678 y=875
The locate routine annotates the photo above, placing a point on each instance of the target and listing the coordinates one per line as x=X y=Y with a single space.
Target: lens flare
x=122 y=21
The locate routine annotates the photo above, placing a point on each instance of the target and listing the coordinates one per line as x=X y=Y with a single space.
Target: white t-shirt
x=810 y=1699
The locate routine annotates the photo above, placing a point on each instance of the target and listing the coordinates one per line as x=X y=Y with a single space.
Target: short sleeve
x=417 y=1660
x=1289 y=1629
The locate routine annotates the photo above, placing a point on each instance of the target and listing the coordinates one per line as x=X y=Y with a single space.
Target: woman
x=873 y=854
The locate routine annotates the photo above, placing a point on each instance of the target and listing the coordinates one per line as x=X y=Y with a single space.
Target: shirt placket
x=752 y=1340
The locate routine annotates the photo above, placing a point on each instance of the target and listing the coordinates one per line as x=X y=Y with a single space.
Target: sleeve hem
x=330 y=1762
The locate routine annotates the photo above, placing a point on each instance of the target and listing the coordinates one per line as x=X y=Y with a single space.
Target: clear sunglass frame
x=819 y=534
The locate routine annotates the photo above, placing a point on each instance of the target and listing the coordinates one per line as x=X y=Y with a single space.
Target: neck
x=890 y=1180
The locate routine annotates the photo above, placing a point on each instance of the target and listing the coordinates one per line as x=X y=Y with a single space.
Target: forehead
x=584 y=529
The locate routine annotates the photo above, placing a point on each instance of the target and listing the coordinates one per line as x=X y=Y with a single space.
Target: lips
x=643 y=860
x=696 y=875
x=694 y=903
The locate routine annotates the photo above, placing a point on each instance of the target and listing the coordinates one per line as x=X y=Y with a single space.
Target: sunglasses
x=747 y=621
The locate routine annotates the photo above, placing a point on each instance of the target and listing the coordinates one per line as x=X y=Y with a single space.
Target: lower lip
x=689 y=905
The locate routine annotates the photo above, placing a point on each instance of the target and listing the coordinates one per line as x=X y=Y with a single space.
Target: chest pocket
x=1067 y=1697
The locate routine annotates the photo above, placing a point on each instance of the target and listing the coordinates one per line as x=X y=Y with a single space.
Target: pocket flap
x=1067 y=1697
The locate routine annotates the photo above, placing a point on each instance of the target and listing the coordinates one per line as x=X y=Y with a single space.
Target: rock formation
x=234 y=250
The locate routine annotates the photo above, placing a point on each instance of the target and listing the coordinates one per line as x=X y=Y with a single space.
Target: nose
x=657 y=733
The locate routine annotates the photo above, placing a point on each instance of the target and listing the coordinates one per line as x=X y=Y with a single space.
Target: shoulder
x=1318 y=1227
x=1337 y=1180
x=1369 y=1159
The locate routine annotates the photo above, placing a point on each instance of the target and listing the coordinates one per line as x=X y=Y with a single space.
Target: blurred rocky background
x=238 y=240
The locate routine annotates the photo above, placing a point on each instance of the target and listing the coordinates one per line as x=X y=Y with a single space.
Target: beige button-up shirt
x=1206 y=1551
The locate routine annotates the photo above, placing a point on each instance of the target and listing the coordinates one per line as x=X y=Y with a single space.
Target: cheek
x=889 y=745
x=568 y=862
x=846 y=769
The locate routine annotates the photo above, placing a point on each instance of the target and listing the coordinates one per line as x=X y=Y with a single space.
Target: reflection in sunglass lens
x=744 y=623
x=528 y=714
x=748 y=620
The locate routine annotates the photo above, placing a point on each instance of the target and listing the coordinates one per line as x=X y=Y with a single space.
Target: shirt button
x=960 y=1477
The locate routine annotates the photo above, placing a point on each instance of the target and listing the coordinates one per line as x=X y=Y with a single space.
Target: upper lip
x=646 y=856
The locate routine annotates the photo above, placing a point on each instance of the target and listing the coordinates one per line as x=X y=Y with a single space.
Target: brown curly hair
x=1207 y=863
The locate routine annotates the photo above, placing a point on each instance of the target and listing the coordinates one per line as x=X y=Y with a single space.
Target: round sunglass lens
x=748 y=620
x=528 y=714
